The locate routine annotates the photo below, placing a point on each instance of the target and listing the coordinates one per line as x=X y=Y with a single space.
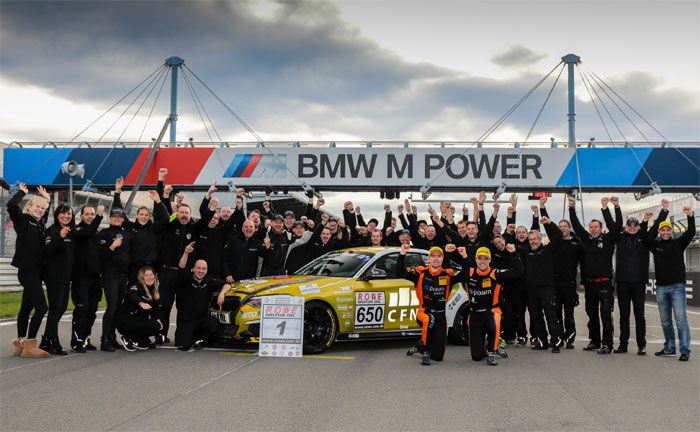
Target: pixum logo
x=257 y=165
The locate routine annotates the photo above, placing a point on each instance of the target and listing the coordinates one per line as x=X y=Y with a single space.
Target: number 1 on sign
x=281 y=326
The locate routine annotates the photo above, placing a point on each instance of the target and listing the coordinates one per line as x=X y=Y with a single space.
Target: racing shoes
x=502 y=353
x=684 y=357
x=198 y=345
x=605 y=350
x=491 y=359
x=412 y=350
x=521 y=341
x=425 y=359
x=664 y=353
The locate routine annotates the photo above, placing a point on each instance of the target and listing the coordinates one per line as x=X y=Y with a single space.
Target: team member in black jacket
x=86 y=289
x=278 y=240
x=323 y=241
x=194 y=324
x=29 y=260
x=59 y=251
x=596 y=273
x=138 y=317
x=631 y=276
x=566 y=266
x=177 y=234
x=113 y=245
x=539 y=278
x=296 y=254
x=241 y=253
x=670 y=279
x=145 y=234
x=212 y=239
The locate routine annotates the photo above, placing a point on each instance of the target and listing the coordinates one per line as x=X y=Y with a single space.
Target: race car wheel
x=320 y=327
x=459 y=333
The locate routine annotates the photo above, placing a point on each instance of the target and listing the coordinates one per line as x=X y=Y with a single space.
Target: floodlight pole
x=571 y=60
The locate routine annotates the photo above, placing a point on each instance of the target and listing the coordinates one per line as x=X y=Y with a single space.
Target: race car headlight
x=254 y=302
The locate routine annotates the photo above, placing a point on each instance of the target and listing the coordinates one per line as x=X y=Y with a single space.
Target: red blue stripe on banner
x=243 y=165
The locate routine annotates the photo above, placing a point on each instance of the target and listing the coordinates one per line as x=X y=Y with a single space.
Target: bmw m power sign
x=281 y=326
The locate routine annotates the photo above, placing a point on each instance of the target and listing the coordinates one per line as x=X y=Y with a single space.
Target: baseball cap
x=665 y=224
x=117 y=211
x=436 y=249
x=483 y=251
x=289 y=213
x=298 y=223
x=376 y=222
x=632 y=221
x=277 y=217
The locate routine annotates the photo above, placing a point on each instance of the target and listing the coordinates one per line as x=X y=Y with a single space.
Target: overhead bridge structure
x=367 y=166
x=645 y=167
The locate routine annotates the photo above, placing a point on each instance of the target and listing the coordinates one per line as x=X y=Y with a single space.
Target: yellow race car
x=350 y=294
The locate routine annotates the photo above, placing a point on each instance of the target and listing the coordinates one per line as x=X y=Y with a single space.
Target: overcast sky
x=354 y=70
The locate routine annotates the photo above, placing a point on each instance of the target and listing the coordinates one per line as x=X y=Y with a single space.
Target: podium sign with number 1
x=281 y=326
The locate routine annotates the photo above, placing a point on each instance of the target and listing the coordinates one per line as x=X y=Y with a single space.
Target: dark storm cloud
x=517 y=56
x=301 y=69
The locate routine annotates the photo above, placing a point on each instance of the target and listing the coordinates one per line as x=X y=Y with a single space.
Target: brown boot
x=29 y=349
x=18 y=345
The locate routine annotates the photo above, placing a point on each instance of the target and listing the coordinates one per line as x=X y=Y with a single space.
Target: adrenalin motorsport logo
x=257 y=165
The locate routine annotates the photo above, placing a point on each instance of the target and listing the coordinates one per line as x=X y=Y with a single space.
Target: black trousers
x=634 y=293
x=114 y=285
x=57 y=292
x=168 y=287
x=599 y=307
x=32 y=298
x=518 y=300
x=136 y=327
x=188 y=332
x=566 y=301
x=509 y=319
x=484 y=325
x=86 y=295
x=543 y=306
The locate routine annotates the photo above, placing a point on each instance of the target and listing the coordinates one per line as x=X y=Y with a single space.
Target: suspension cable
x=125 y=110
x=148 y=119
x=605 y=107
x=494 y=126
x=621 y=110
x=58 y=150
x=542 y=107
x=206 y=129
x=151 y=84
x=206 y=114
x=595 y=105
x=252 y=132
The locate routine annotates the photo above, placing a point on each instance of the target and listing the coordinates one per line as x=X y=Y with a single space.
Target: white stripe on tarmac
x=656 y=306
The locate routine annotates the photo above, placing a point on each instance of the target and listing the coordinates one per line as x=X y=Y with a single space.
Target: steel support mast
x=174 y=63
x=571 y=60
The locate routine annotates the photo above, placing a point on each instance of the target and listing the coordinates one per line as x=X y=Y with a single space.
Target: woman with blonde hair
x=138 y=314
x=29 y=259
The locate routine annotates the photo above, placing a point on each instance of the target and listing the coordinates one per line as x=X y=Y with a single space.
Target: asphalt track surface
x=363 y=386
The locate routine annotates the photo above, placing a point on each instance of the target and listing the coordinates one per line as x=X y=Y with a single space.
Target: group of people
x=506 y=273
x=164 y=257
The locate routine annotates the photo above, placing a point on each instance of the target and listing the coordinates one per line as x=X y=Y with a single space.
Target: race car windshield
x=337 y=264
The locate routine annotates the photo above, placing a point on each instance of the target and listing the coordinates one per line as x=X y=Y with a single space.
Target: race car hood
x=292 y=285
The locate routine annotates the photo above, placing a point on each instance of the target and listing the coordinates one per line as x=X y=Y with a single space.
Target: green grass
x=10 y=301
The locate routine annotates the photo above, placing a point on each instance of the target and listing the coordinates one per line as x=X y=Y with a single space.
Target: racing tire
x=459 y=332
x=320 y=327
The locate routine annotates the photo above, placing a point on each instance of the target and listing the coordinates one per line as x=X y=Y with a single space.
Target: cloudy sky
x=347 y=70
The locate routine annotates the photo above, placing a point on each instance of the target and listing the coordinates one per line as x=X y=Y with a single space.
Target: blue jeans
x=673 y=296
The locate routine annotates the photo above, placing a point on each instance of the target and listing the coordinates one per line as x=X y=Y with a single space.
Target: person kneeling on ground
x=433 y=286
x=138 y=316
x=195 y=288
x=484 y=287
